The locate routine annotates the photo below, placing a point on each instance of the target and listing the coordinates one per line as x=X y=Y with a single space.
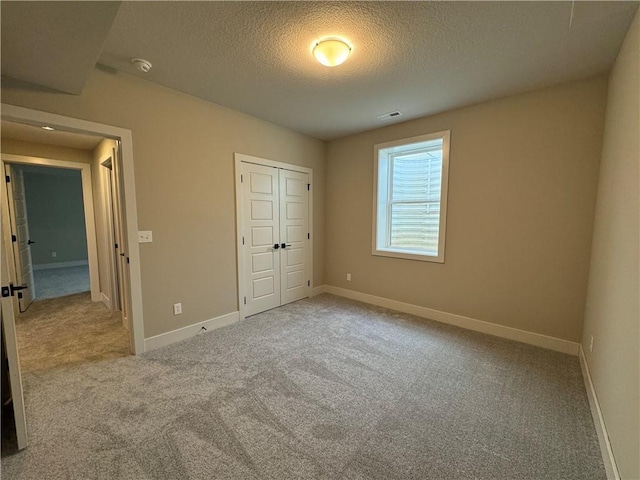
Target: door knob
x=29 y=242
x=285 y=245
x=276 y=246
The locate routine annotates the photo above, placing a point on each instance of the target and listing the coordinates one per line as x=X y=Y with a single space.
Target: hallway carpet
x=324 y=388
x=67 y=331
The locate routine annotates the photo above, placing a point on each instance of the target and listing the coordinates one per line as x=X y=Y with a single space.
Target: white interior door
x=294 y=229
x=20 y=228
x=11 y=343
x=120 y=230
x=275 y=236
x=261 y=237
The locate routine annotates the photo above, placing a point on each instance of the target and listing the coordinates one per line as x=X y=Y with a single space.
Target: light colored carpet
x=323 y=388
x=67 y=331
x=59 y=282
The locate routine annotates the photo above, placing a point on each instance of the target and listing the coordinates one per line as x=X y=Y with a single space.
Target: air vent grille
x=385 y=116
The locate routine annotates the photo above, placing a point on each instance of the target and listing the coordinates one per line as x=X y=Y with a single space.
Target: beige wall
x=33 y=149
x=613 y=301
x=522 y=182
x=183 y=157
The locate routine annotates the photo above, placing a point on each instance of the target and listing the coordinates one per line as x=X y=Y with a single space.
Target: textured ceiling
x=416 y=57
x=55 y=44
x=33 y=133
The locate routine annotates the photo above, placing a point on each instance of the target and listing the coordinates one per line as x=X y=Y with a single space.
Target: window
x=410 y=203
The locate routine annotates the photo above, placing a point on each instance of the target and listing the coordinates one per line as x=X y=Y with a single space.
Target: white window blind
x=409 y=218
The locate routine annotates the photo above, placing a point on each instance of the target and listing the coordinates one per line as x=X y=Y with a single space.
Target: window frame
x=407 y=254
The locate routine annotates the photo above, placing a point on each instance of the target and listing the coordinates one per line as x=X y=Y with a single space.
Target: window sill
x=408 y=255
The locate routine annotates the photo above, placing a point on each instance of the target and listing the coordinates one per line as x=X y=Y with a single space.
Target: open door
x=120 y=232
x=17 y=203
x=11 y=344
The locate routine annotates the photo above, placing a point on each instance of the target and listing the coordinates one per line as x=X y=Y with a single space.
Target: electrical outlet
x=591 y=344
x=145 y=236
x=54 y=254
x=177 y=308
x=348 y=277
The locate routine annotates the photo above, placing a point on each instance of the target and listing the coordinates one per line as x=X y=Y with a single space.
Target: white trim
x=35 y=117
x=239 y=158
x=106 y=300
x=537 y=339
x=87 y=200
x=183 y=333
x=49 y=266
x=318 y=290
x=598 y=420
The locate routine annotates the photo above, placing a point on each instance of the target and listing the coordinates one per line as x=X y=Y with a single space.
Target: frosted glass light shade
x=331 y=52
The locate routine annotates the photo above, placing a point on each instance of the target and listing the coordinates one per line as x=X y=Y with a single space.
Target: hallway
x=69 y=331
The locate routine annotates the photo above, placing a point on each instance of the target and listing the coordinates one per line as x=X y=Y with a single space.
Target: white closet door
x=261 y=221
x=294 y=230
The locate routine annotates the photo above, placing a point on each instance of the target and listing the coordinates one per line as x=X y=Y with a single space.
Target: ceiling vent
x=385 y=116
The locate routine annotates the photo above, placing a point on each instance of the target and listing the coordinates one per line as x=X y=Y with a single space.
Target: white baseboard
x=106 y=300
x=318 y=290
x=48 y=266
x=537 y=339
x=174 y=336
x=598 y=420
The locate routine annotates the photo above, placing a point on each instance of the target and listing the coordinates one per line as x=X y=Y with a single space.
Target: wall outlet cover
x=145 y=236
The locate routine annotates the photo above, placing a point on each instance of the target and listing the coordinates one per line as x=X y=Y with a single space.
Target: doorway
x=274 y=219
x=54 y=232
x=128 y=248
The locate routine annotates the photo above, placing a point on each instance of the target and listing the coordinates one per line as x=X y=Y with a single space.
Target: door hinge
x=308 y=186
x=243 y=240
x=245 y=300
x=308 y=236
x=7 y=178
x=116 y=245
x=14 y=238
x=241 y=179
x=308 y=283
x=127 y=260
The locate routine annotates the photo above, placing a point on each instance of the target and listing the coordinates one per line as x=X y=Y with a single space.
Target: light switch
x=145 y=236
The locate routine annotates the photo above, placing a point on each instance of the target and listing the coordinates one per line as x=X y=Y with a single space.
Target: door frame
x=87 y=200
x=240 y=158
x=39 y=118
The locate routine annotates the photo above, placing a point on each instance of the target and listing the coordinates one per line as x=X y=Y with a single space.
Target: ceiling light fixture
x=331 y=52
x=141 y=64
x=48 y=128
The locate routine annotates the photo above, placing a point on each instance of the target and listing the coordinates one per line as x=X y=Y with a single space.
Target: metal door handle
x=8 y=291
x=284 y=245
x=29 y=242
x=15 y=288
